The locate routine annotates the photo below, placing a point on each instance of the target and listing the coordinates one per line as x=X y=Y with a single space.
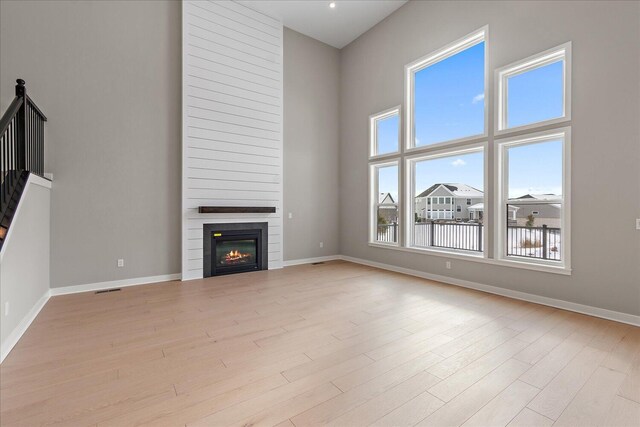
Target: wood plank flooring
x=334 y=344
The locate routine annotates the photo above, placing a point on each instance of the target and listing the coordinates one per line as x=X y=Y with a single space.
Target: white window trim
x=478 y=36
x=373 y=201
x=501 y=196
x=490 y=140
x=373 y=132
x=502 y=75
x=409 y=167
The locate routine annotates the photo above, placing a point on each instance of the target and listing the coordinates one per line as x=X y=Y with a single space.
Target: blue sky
x=387 y=134
x=449 y=104
x=535 y=169
x=535 y=96
x=449 y=98
x=388 y=181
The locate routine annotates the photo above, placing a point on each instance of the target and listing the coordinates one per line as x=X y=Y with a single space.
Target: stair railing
x=21 y=146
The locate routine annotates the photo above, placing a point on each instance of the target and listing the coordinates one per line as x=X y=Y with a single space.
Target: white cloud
x=458 y=162
x=479 y=97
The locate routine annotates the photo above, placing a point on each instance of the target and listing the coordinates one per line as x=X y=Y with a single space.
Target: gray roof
x=458 y=190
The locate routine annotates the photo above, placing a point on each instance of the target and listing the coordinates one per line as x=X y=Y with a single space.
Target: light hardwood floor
x=337 y=344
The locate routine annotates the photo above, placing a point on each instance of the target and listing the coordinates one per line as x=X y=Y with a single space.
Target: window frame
x=501 y=196
x=374 y=201
x=409 y=193
x=373 y=132
x=502 y=75
x=490 y=142
x=449 y=50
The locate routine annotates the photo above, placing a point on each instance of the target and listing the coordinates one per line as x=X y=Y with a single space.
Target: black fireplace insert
x=235 y=248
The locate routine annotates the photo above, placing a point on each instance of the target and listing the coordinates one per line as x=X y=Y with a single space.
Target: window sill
x=385 y=245
x=479 y=258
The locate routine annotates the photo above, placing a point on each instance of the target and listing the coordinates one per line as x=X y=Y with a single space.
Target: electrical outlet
x=448 y=265
x=121 y=263
x=638 y=224
x=6 y=308
x=322 y=244
x=290 y=215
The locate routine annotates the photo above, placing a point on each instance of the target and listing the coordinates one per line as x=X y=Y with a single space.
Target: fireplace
x=235 y=248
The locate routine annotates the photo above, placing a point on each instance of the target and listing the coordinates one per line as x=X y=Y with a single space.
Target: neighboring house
x=448 y=201
x=543 y=213
x=476 y=212
x=387 y=208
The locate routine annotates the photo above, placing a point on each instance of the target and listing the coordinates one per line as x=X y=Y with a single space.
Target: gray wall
x=24 y=267
x=108 y=76
x=311 y=82
x=605 y=138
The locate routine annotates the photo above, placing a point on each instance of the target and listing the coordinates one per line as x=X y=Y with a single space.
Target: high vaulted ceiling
x=336 y=26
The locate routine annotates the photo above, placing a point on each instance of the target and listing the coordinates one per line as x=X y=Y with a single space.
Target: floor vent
x=317 y=263
x=104 y=291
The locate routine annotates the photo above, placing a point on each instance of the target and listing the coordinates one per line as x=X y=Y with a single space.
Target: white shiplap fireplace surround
x=232 y=122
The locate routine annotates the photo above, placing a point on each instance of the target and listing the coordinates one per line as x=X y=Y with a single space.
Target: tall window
x=533 y=168
x=441 y=170
x=445 y=94
x=384 y=176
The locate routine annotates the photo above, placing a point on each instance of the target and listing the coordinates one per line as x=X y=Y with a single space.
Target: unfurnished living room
x=302 y=213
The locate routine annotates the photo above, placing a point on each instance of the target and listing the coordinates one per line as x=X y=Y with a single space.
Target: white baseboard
x=300 y=261
x=22 y=327
x=552 y=302
x=114 y=284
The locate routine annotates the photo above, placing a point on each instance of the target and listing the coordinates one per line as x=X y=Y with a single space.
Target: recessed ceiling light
x=332 y=5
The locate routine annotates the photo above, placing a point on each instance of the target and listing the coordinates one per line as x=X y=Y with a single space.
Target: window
x=533 y=181
x=384 y=130
x=445 y=94
x=536 y=90
x=533 y=207
x=384 y=134
x=384 y=195
x=441 y=166
x=443 y=172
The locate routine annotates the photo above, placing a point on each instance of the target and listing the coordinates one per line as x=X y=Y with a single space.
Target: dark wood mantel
x=236 y=209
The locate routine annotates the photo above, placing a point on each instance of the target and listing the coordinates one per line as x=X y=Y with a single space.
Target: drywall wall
x=605 y=133
x=107 y=75
x=24 y=263
x=311 y=81
x=232 y=122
